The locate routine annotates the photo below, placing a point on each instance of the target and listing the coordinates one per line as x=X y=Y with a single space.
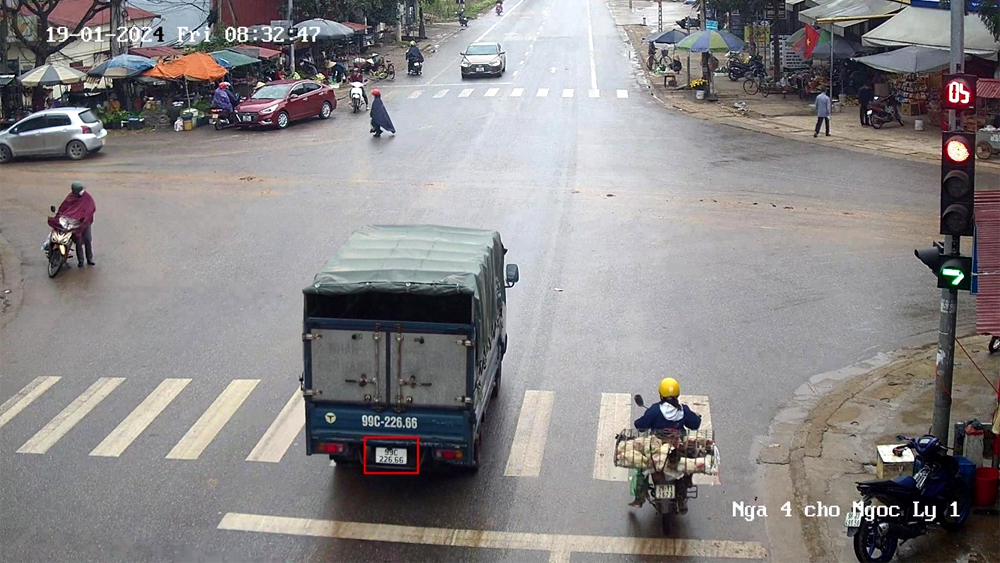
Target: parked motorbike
x=689 y=23
x=357 y=96
x=222 y=119
x=663 y=463
x=739 y=69
x=462 y=19
x=415 y=68
x=882 y=111
x=58 y=246
x=909 y=506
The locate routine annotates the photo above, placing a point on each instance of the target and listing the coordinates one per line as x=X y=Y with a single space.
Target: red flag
x=812 y=38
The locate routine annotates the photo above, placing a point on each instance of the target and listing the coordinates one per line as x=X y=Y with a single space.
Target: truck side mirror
x=512 y=275
x=639 y=401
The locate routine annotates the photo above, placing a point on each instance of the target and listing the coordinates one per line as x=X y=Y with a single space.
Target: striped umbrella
x=711 y=41
x=122 y=66
x=51 y=75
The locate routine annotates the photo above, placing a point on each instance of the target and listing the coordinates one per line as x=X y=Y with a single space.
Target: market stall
x=197 y=68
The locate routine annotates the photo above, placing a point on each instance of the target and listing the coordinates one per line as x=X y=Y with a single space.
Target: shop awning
x=232 y=59
x=848 y=8
x=196 y=66
x=932 y=28
x=790 y=4
x=988 y=88
x=6 y=79
x=908 y=60
x=156 y=52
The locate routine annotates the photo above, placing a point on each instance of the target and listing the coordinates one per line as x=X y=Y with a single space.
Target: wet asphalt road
x=739 y=263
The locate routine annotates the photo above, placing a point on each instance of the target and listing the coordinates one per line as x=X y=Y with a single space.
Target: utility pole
x=118 y=21
x=708 y=74
x=3 y=39
x=659 y=14
x=952 y=247
x=399 y=22
x=291 y=46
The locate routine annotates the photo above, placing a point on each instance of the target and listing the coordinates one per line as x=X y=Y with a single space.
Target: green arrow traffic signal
x=955 y=274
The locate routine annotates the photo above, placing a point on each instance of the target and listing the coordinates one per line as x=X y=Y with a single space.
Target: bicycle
x=653 y=61
x=384 y=69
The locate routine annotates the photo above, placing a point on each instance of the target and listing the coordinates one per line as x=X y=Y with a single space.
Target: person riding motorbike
x=221 y=100
x=668 y=414
x=234 y=98
x=359 y=77
x=80 y=206
x=499 y=7
x=413 y=55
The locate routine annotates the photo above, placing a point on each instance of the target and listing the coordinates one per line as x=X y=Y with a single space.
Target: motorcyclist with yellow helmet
x=668 y=414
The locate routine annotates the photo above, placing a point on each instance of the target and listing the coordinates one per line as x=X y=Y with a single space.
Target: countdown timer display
x=958 y=92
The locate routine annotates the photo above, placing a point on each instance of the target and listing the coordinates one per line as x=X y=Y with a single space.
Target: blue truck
x=404 y=334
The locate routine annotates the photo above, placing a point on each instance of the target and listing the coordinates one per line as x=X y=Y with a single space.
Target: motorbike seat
x=902 y=483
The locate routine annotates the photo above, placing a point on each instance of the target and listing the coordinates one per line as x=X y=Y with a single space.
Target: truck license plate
x=664 y=491
x=390 y=456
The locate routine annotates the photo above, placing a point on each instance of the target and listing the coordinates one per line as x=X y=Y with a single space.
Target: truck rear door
x=347 y=365
x=430 y=370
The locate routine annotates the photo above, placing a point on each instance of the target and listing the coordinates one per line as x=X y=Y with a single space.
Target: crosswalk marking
x=529 y=438
x=516 y=92
x=20 y=401
x=211 y=422
x=622 y=93
x=441 y=93
x=282 y=432
x=466 y=93
x=616 y=410
x=135 y=423
x=568 y=93
x=542 y=92
x=595 y=93
x=70 y=416
x=492 y=92
x=416 y=94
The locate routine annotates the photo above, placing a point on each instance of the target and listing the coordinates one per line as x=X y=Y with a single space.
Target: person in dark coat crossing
x=380 y=117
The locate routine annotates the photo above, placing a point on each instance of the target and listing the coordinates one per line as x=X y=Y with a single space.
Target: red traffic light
x=958 y=92
x=957 y=151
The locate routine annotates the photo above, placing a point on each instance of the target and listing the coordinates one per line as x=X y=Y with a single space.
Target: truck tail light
x=330 y=448
x=450 y=455
x=87 y=130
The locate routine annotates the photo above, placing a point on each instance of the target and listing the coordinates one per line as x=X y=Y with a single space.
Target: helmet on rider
x=413 y=43
x=376 y=93
x=669 y=388
x=223 y=85
x=77 y=188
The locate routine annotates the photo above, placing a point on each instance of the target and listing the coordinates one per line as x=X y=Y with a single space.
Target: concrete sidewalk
x=790 y=117
x=825 y=441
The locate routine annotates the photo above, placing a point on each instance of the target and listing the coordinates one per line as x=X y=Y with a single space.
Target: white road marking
x=488 y=539
x=139 y=419
x=70 y=416
x=492 y=92
x=590 y=47
x=542 y=92
x=515 y=74
x=282 y=432
x=560 y=556
x=214 y=418
x=553 y=70
x=568 y=93
x=416 y=94
x=516 y=92
x=623 y=93
x=529 y=438
x=615 y=414
x=421 y=86
x=504 y=16
x=23 y=398
x=441 y=93
x=595 y=93
x=465 y=93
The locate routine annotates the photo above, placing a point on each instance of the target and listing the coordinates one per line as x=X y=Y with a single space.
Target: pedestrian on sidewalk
x=865 y=96
x=380 y=117
x=822 y=112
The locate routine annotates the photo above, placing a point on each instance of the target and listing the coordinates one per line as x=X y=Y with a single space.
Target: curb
x=796 y=433
x=11 y=281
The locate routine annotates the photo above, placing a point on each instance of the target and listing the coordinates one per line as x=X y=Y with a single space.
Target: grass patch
x=445 y=10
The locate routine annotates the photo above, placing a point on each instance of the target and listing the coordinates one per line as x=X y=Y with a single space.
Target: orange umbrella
x=196 y=66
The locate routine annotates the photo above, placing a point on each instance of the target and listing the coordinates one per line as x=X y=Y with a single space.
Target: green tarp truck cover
x=419 y=259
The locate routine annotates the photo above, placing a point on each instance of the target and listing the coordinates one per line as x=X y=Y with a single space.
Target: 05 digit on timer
x=958 y=92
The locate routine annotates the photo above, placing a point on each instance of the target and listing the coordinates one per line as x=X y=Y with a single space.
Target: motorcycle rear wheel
x=867 y=543
x=877 y=123
x=963 y=496
x=55 y=263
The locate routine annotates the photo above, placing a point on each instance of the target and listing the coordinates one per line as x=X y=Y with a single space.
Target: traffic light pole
x=952 y=247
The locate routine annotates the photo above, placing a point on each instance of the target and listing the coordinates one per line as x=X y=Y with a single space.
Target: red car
x=279 y=103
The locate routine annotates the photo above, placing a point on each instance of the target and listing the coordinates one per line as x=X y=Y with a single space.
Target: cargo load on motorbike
x=672 y=452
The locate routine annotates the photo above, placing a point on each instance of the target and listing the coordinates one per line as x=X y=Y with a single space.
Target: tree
x=989 y=13
x=40 y=11
x=308 y=9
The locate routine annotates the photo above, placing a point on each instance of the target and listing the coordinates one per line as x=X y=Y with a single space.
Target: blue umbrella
x=670 y=37
x=122 y=66
x=711 y=41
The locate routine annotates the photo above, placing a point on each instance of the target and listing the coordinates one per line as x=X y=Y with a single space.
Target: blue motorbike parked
x=909 y=506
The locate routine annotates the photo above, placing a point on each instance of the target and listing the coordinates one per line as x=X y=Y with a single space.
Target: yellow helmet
x=669 y=388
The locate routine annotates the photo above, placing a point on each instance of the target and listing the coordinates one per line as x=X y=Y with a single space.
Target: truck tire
x=477 y=449
x=496 y=381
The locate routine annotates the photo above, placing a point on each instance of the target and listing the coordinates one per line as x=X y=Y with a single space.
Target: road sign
x=711 y=24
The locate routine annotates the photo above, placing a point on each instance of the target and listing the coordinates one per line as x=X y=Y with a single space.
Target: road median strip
x=553 y=543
